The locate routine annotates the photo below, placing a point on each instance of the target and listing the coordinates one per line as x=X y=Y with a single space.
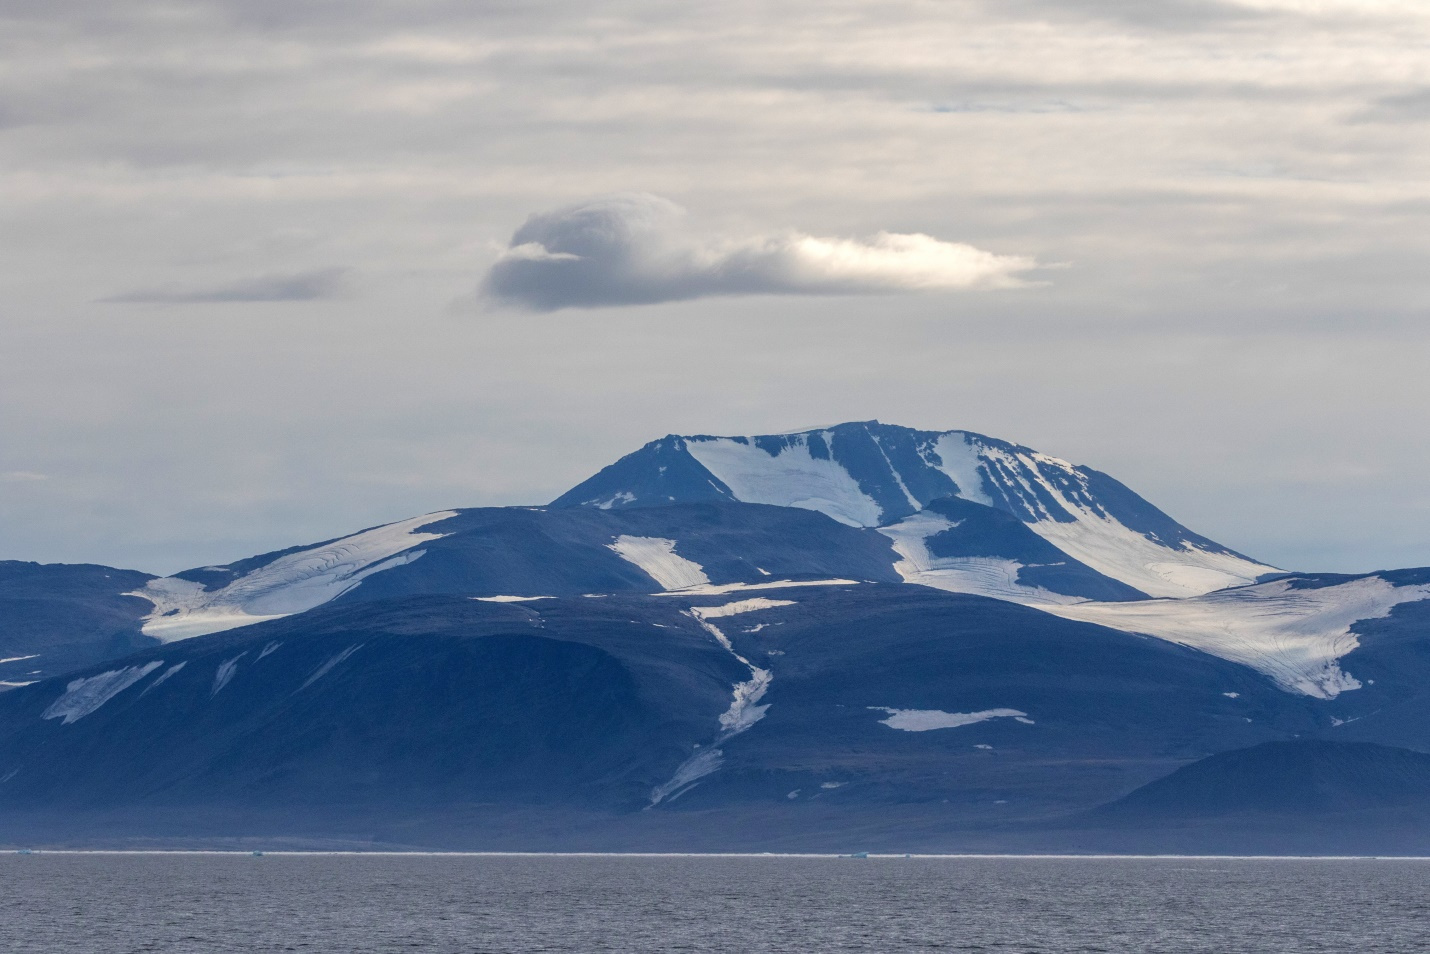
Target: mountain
x=964 y=513
x=875 y=475
x=922 y=640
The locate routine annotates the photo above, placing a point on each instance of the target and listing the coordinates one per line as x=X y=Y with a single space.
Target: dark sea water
x=52 y=903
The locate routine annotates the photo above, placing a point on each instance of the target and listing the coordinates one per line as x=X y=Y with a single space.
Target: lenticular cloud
x=632 y=249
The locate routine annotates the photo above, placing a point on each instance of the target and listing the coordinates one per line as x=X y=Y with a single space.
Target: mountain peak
x=871 y=474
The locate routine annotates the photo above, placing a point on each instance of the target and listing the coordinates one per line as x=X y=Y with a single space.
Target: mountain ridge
x=872 y=474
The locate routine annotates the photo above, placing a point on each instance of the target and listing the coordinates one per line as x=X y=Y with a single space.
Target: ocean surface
x=113 y=903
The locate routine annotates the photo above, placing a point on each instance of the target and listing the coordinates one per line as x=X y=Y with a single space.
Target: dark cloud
x=632 y=249
x=277 y=286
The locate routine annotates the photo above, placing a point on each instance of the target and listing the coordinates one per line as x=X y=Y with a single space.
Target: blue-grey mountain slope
x=871 y=475
x=58 y=617
x=644 y=712
x=524 y=552
x=1296 y=779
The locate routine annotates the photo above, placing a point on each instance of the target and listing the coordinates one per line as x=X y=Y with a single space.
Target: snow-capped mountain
x=876 y=475
x=745 y=627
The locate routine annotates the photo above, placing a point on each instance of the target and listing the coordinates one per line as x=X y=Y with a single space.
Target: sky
x=272 y=272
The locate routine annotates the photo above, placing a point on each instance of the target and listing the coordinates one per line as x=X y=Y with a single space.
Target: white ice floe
x=225 y=673
x=290 y=584
x=1232 y=695
x=744 y=710
x=1295 y=635
x=272 y=647
x=511 y=599
x=657 y=557
x=18 y=659
x=721 y=589
x=831 y=785
x=982 y=576
x=83 y=696
x=329 y=665
x=925 y=720
x=11 y=684
x=791 y=478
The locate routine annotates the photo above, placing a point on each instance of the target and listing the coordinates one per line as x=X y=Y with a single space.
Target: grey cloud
x=1175 y=15
x=276 y=286
x=632 y=249
x=1409 y=107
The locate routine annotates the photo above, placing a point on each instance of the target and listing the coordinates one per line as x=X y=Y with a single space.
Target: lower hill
x=1297 y=797
x=1300 y=778
x=779 y=716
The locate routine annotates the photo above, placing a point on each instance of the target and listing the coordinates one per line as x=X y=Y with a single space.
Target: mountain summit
x=869 y=474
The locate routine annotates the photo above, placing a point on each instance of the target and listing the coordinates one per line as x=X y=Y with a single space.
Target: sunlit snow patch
x=290 y=584
x=739 y=606
x=981 y=576
x=925 y=720
x=791 y=478
x=83 y=696
x=721 y=589
x=1294 y=634
x=657 y=557
x=1109 y=546
x=957 y=456
x=225 y=673
x=163 y=677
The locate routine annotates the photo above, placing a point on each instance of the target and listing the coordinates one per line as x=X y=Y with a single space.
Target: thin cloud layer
x=277 y=286
x=632 y=249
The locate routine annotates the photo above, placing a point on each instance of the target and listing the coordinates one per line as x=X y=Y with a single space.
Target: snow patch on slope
x=163 y=677
x=290 y=584
x=925 y=720
x=739 y=606
x=1295 y=635
x=982 y=576
x=83 y=696
x=329 y=665
x=791 y=478
x=1116 y=550
x=225 y=673
x=744 y=709
x=720 y=589
x=657 y=557
x=958 y=459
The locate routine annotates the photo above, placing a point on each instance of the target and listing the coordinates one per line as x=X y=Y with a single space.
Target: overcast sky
x=275 y=271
